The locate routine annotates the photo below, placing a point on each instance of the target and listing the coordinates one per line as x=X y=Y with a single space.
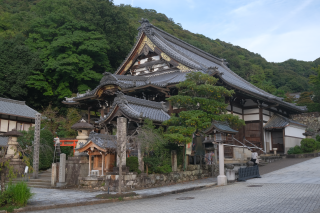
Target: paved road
x=283 y=163
x=280 y=196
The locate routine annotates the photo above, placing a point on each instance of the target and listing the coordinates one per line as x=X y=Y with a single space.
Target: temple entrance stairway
x=44 y=180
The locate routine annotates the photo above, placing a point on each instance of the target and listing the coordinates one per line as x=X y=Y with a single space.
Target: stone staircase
x=44 y=180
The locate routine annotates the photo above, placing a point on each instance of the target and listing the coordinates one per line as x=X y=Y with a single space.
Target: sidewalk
x=58 y=198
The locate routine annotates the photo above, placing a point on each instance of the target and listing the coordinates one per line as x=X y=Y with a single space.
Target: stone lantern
x=13 y=144
x=83 y=129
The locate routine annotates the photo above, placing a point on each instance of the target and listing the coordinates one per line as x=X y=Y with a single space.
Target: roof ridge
x=217 y=59
x=12 y=101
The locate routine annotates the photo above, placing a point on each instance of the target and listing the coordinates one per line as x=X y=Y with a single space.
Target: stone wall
x=311 y=119
x=134 y=181
x=76 y=167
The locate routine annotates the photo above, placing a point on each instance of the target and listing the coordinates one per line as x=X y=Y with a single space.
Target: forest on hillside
x=51 y=49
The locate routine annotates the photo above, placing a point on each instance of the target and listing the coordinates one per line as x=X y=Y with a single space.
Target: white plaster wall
x=294 y=131
x=250 y=111
x=291 y=142
x=264 y=111
x=251 y=117
x=4 y=125
x=12 y=125
x=266 y=117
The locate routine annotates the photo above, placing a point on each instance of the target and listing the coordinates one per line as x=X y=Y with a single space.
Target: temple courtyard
x=292 y=189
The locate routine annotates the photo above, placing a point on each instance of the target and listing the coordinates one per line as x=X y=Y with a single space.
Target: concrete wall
x=241 y=154
x=76 y=167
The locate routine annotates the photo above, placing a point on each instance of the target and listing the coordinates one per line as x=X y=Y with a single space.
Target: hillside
x=55 y=48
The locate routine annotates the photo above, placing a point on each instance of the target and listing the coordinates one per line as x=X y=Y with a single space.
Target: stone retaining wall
x=311 y=119
x=133 y=180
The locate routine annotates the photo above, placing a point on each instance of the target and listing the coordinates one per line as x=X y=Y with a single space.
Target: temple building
x=149 y=74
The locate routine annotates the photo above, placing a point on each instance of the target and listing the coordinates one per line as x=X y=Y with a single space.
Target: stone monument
x=222 y=179
x=174 y=160
x=62 y=170
x=122 y=139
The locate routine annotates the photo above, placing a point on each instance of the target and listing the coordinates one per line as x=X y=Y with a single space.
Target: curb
x=102 y=201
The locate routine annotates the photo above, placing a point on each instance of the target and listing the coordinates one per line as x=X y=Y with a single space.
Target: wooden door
x=253 y=134
x=277 y=140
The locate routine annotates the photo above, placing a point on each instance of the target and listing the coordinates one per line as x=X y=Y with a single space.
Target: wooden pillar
x=89 y=163
x=261 y=127
x=102 y=164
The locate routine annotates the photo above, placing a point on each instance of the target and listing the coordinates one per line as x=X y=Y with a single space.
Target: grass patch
x=9 y=208
x=116 y=196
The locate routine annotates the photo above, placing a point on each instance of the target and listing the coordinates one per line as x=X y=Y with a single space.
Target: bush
x=317 y=145
x=295 y=150
x=133 y=164
x=165 y=169
x=16 y=194
x=308 y=145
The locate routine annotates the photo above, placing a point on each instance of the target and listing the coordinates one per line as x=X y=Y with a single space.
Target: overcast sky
x=276 y=29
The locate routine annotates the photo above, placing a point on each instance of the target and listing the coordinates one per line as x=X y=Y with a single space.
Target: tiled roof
x=198 y=59
x=104 y=141
x=3 y=141
x=16 y=108
x=279 y=122
x=220 y=126
x=137 y=108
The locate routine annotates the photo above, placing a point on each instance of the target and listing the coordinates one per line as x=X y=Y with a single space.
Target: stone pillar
x=222 y=179
x=140 y=158
x=82 y=137
x=36 y=144
x=53 y=174
x=215 y=153
x=121 y=139
x=62 y=170
x=12 y=148
x=174 y=160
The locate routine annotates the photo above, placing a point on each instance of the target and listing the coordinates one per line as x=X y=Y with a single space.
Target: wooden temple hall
x=149 y=74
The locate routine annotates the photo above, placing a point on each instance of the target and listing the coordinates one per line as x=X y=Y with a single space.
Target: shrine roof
x=280 y=122
x=197 y=59
x=104 y=141
x=136 y=108
x=4 y=141
x=220 y=126
x=16 y=108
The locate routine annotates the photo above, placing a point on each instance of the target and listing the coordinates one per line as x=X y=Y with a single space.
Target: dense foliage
x=46 y=146
x=157 y=148
x=55 y=48
x=15 y=195
x=133 y=164
x=307 y=145
x=204 y=102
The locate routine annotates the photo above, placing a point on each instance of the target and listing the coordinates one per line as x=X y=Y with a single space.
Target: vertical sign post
x=36 y=144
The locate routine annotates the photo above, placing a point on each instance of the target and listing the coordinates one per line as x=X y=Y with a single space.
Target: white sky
x=276 y=29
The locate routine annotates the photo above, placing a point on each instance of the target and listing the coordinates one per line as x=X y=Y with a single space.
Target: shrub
x=317 y=145
x=16 y=194
x=133 y=164
x=308 y=145
x=164 y=169
x=297 y=150
x=290 y=151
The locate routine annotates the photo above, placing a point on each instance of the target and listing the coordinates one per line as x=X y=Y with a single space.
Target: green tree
x=315 y=82
x=16 y=63
x=204 y=102
x=73 y=54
